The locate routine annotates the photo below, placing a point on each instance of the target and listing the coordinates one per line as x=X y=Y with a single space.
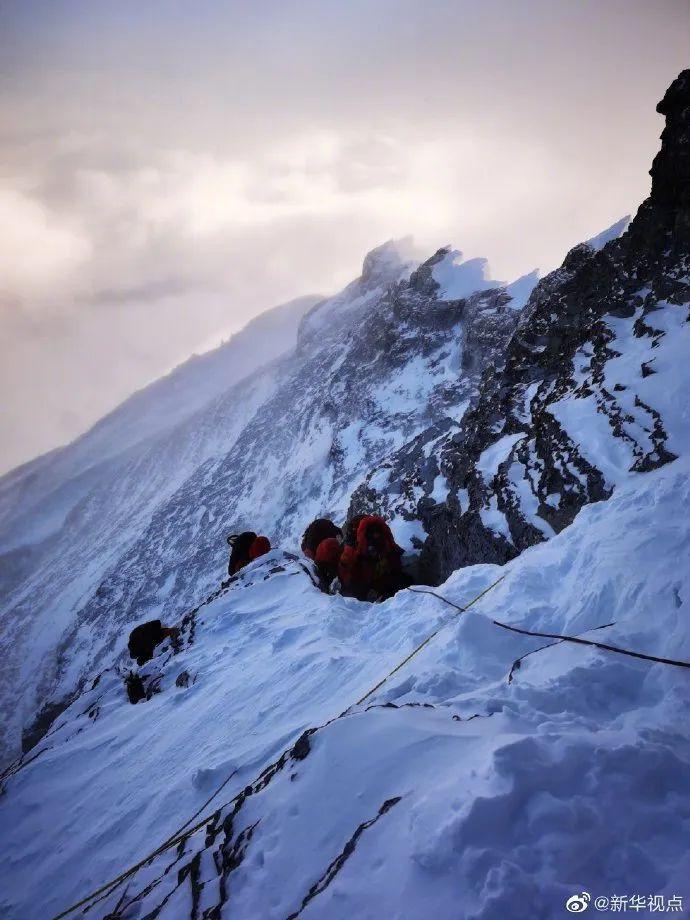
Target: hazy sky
x=170 y=169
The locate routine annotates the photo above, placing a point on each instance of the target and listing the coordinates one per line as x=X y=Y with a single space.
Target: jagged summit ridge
x=573 y=407
x=383 y=266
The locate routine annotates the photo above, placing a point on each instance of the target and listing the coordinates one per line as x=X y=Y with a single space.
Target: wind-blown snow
x=55 y=483
x=392 y=261
x=611 y=233
x=457 y=279
x=521 y=288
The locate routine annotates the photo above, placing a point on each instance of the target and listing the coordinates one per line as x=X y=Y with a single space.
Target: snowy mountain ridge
x=145 y=416
x=496 y=774
x=147 y=535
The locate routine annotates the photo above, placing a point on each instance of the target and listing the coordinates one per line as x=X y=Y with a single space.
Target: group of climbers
x=361 y=560
x=144 y=639
x=364 y=561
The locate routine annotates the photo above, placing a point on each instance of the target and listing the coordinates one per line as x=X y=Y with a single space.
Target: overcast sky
x=170 y=169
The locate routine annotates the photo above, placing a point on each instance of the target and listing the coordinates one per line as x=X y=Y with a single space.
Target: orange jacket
x=259 y=547
x=373 y=564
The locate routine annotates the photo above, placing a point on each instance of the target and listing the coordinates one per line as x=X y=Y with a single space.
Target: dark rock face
x=670 y=170
x=33 y=733
x=483 y=324
x=559 y=355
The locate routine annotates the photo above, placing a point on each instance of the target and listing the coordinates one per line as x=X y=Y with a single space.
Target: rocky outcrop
x=408 y=479
x=535 y=447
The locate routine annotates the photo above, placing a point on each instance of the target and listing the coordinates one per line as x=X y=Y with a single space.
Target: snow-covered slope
x=377 y=365
x=453 y=791
x=67 y=517
x=548 y=443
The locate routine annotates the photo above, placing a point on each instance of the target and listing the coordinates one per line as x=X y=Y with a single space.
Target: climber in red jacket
x=259 y=547
x=371 y=569
x=245 y=548
x=327 y=560
x=319 y=530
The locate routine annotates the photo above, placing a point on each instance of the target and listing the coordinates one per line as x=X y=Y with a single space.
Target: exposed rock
x=515 y=471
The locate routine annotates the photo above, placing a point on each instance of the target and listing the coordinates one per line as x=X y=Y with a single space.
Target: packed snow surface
x=454 y=791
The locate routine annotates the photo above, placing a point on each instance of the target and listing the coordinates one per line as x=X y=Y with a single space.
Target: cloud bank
x=169 y=170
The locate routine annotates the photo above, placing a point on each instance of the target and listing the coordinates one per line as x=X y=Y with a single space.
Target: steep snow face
x=136 y=528
x=464 y=786
x=457 y=279
x=611 y=233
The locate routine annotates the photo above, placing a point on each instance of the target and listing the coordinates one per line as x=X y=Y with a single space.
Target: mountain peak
x=389 y=259
x=677 y=96
x=670 y=170
x=611 y=233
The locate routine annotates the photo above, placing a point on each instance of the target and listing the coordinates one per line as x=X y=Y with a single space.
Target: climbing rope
x=561 y=638
x=184 y=831
x=601 y=645
x=517 y=664
x=428 y=639
x=176 y=838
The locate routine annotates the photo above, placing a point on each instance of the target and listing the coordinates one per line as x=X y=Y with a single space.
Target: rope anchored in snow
x=557 y=636
x=185 y=831
x=428 y=639
x=517 y=664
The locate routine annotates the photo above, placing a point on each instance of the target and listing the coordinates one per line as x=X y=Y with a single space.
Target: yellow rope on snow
x=430 y=637
x=184 y=832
